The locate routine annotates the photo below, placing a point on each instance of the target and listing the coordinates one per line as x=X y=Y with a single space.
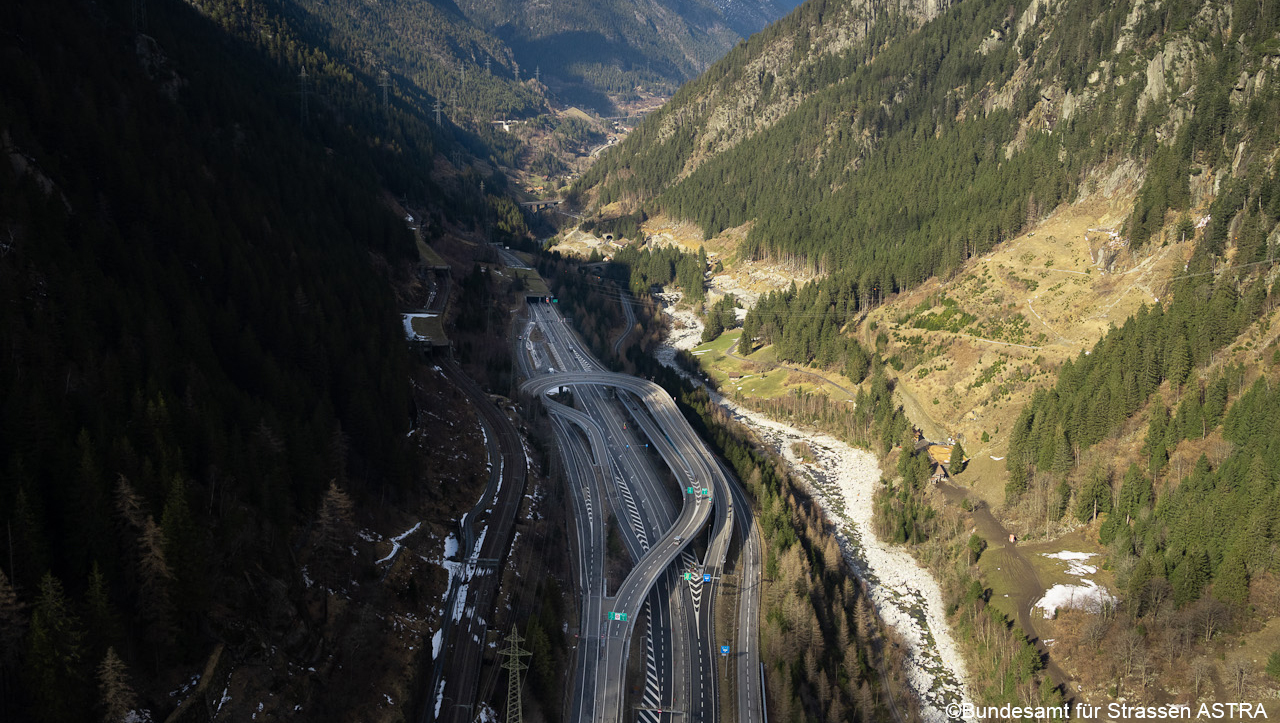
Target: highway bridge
x=540 y=204
x=626 y=446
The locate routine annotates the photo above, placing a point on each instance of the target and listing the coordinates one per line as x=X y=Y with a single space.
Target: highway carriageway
x=694 y=466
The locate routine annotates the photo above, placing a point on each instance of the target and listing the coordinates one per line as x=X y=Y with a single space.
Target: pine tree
x=1215 y=401
x=53 y=664
x=117 y=698
x=1179 y=361
x=956 y=464
x=1135 y=493
x=1191 y=416
x=1189 y=577
x=128 y=504
x=333 y=525
x=13 y=623
x=1094 y=497
x=1062 y=457
x=1273 y=665
x=100 y=615
x=32 y=556
x=13 y=627
x=865 y=620
x=866 y=702
x=713 y=328
x=155 y=604
x=182 y=551
x=1231 y=584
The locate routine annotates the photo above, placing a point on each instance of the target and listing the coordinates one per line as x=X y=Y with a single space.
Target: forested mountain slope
x=882 y=145
x=613 y=46
x=1113 y=162
x=493 y=59
x=196 y=343
x=430 y=51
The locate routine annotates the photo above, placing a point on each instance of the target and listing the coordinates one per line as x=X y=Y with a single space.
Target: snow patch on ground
x=226 y=697
x=182 y=689
x=1075 y=562
x=461 y=602
x=395 y=543
x=475 y=555
x=843 y=480
x=487 y=714
x=534 y=497
x=409 y=333
x=436 y=641
x=1088 y=595
x=1068 y=555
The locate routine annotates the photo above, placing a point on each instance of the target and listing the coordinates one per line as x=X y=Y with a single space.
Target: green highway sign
x=688 y=490
x=622 y=617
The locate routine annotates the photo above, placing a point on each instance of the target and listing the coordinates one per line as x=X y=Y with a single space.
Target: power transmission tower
x=537 y=73
x=516 y=67
x=384 y=80
x=453 y=105
x=513 y=652
x=302 y=90
x=437 y=111
x=486 y=66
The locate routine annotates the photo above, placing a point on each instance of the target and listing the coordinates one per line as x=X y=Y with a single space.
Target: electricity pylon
x=513 y=652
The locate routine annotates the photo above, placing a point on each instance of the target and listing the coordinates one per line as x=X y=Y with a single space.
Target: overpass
x=540 y=204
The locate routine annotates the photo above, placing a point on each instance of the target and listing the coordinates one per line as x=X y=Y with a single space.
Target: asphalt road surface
x=599 y=439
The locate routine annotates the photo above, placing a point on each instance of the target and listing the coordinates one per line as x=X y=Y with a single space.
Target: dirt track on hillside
x=1027 y=587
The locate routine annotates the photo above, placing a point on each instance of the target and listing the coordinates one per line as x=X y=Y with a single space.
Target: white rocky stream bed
x=843 y=480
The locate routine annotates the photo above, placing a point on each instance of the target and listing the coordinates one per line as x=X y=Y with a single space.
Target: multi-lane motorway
x=626 y=448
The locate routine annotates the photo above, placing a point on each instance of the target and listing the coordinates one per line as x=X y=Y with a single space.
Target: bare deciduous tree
x=1201 y=669
x=1158 y=593
x=1238 y=674
x=1211 y=615
x=1096 y=630
x=1129 y=648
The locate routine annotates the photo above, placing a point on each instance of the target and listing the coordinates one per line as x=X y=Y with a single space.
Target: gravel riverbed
x=843 y=480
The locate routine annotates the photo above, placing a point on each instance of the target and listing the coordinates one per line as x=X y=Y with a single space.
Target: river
x=843 y=479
